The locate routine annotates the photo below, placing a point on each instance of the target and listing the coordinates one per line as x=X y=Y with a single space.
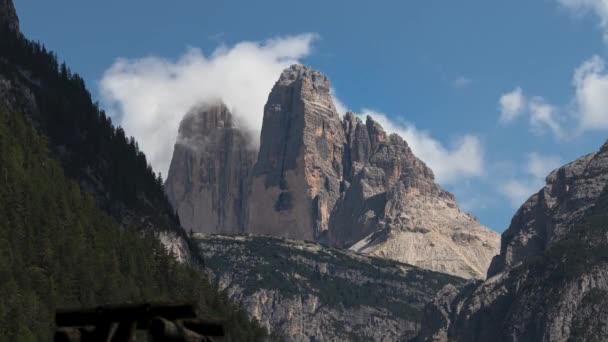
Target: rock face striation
x=8 y=15
x=339 y=181
x=550 y=214
x=305 y=292
x=550 y=281
x=208 y=179
x=392 y=207
x=296 y=180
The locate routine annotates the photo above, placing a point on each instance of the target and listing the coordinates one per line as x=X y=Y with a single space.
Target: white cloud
x=517 y=192
x=543 y=116
x=149 y=96
x=598 y=7
x=539 y=166
x=589 y=110
x=530 y=178
x=591 y=97
x=463 y=159
x=461 y=82
x=512 y=105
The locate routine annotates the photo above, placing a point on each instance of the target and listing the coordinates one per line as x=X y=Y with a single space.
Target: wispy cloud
x=461 y=82
x=512 y=105
x=597 y=7
x=591 y=95
x=529 y=178
x=149 y=96
x=588 y=110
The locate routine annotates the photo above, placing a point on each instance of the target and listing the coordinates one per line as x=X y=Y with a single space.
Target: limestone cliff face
x=8 y=15
x=549 y=214
x=296 y=180
x=306 y=292
x=550 y=282
x=393 y=208
x=208 y=179
x=318 y=177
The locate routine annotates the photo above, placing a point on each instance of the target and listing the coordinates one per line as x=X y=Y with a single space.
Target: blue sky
x=435 y=69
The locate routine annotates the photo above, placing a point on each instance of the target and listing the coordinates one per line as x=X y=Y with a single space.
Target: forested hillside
x=58 y=249
x=106 y=162
x=80 y=207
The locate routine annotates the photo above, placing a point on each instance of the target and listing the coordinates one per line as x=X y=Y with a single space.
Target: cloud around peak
x=149 y=96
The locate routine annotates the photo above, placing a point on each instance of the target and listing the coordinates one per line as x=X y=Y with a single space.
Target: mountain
x=296 y=179
x=217 y=160
x=84 y=220
x=550 y=281
x=393 y=208
x=330 y=179
x=307 y=292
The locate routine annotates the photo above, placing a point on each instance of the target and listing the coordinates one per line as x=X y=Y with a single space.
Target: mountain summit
x=319 y=177
x=209 y=175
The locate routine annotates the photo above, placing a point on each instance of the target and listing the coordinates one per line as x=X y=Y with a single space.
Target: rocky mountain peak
x=202 y=120
x=547 y=216
x=296 y=179
x=319 y=177
x=8 y=15
x=208 y=179
x=298 y=73
x=549 y=281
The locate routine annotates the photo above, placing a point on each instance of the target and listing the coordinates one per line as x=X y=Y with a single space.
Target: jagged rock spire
x=209 y=174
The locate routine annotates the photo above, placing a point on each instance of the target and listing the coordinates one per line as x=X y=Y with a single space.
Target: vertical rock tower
x=296 y=180
x=344 y=182
x=208 y=179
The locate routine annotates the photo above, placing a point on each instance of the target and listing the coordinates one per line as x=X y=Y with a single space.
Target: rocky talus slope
x=550 y=282
x=304 y=291
x=393 y=208
x=209 y=176
x=319 y=177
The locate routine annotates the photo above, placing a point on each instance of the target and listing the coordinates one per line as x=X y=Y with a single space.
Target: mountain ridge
x=342 y=182
x=550 y=282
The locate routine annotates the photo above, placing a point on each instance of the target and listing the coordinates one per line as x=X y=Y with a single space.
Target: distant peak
x=8 y=15
x=204 y=118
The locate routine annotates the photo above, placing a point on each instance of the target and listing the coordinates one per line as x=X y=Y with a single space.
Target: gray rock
x=394 y=208
x=550 y=282
x=296 y=180
x=549 y=214
x=342 y=182
x=307 y=292
x=208 y=179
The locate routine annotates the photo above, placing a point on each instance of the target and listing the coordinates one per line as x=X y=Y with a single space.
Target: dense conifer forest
x=80 y=207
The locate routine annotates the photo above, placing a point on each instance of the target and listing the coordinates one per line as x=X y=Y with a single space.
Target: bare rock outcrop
x=394 y=208
x=306 y=292
x=296 y=180
x=549 y=214
x=208 y=179
x=319 y=177
x=550 y=282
